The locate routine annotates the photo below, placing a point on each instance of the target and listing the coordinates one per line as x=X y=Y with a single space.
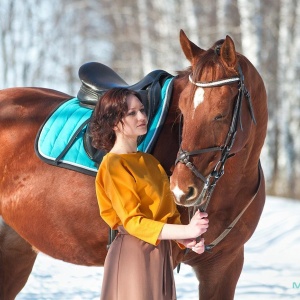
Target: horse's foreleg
x=16 y=262
x=218 y=278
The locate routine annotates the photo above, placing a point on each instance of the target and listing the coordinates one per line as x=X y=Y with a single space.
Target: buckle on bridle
x=183 y=157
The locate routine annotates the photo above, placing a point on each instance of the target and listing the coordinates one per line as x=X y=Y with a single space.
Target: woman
x=134 y=197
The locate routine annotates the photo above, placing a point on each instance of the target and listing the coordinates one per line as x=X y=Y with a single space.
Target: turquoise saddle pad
x=57 y=132
x=59 y=129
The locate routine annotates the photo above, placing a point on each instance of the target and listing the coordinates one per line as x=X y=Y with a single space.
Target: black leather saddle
x=97 y=78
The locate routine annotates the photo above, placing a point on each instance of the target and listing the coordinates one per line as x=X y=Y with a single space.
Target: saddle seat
x=97 y=78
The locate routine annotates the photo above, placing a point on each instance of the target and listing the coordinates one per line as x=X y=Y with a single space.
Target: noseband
x=184 y=156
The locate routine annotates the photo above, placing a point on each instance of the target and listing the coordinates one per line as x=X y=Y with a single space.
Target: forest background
x=43 y=44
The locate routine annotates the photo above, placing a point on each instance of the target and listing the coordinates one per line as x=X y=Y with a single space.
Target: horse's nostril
x=191 y=193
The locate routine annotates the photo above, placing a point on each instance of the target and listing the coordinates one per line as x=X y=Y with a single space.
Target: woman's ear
x=117 y=128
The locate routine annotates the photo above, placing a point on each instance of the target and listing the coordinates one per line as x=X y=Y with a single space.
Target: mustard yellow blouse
x=133 y=190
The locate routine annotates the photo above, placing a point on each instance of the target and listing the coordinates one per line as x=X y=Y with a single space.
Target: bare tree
x=7 y=16
x=288 y=49
x=145 y=39
x=251 y=27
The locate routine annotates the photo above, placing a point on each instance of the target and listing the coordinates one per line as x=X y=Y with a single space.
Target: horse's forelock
x=209 y=63
x=217 y=43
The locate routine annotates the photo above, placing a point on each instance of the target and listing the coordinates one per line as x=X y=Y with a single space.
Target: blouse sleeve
x=120 y=188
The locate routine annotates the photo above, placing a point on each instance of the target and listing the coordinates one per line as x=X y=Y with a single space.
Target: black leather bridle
x=184 y=156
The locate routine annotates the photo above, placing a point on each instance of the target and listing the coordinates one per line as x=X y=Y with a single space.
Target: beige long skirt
x=136 y=270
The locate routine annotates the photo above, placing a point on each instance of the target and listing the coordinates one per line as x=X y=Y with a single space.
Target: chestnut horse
x=212 y=127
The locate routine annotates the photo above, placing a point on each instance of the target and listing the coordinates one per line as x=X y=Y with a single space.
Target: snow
x=271 y=269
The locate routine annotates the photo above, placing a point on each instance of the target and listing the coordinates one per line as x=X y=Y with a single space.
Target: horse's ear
x=227 y=52
x=189 y=49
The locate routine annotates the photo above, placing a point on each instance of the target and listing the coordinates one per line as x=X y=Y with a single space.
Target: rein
x=232 y=224
x=211 y=180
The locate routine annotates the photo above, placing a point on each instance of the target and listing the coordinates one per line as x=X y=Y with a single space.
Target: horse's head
x=218 y=119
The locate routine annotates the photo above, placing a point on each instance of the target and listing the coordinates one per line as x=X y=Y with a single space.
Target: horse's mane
x=184 y=73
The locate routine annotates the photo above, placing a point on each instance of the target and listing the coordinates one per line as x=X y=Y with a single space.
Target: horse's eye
x=218 y=117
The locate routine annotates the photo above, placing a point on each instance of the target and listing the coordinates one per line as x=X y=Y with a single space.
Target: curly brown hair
x=109 y=111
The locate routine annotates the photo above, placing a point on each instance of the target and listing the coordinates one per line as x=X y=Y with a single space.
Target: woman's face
x=135 y=120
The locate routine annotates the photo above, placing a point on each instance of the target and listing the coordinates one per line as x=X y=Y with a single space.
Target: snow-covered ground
x=271 y=268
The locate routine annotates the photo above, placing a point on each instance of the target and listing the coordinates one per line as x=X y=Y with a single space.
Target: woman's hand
x=199 y=247
x=193 y=245
x=198 y=224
